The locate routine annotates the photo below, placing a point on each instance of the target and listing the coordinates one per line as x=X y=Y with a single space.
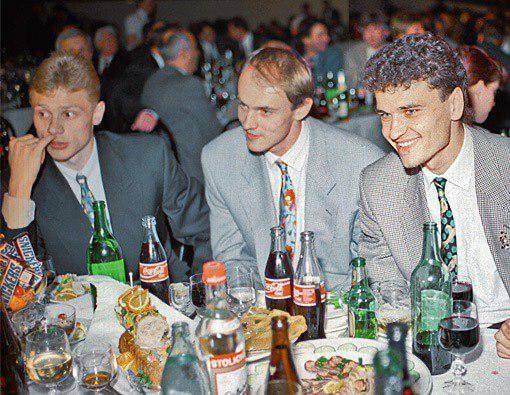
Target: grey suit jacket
x=393 y=208
x=242 y=210
x=355 y=58
x=140 y=177
x=181 y=103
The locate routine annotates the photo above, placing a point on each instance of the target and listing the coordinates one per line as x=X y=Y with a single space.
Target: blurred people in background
x=206 y=36
x=484 y=79
x=134 y=23
x=76 y=41
x=238 y=30
x=312 y=43
x=375 y=32
x=110 y=59
x=179 y=99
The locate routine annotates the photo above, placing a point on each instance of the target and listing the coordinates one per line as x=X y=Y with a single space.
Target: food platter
x=354 y=350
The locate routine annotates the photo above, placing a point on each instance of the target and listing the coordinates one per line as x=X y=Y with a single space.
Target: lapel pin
x=504 y=238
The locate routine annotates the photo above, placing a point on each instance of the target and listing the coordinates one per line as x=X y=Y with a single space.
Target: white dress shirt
x=247 y=44
x=474 y=256
x=91 y=170
x=133 y=25
x=296 y=159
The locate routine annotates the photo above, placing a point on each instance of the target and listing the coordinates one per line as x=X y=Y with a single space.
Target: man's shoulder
x=387 y=170
x=232 y=142
x=144 y=143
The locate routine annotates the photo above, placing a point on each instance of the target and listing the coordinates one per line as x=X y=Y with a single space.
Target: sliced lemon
x=139 y=301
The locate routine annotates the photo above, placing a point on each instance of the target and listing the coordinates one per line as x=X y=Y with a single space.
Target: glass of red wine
x=462 y=289
x=459 y=334
x=197 y=291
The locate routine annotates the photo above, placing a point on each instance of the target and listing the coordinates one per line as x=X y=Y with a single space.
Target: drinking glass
x=459 y=334
x=27 y=319
x=96 y=365
x=393 y=302
x=240 y=290
x=462 y=289
x=197 y=291
x=62 y=315
x=48 y=267
x=48 y=358
x=180 y=297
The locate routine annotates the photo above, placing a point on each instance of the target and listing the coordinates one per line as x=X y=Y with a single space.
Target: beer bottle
x=153 y=266
x=361 y=304
x=278 y=274
x=391 y=373
x=104 y=255
x=309 y=293
x=431 y=301
x=281 y=364
x=220 y=335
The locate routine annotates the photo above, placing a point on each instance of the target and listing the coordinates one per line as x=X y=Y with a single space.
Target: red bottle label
x=278 y=288
x=153 y=272
x=304 y=295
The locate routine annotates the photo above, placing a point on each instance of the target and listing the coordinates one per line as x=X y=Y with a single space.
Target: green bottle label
x=113 y=269
x=435 y=305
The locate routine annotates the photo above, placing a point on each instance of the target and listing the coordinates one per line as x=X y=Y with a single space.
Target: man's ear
x=97 y=116
x=303 y=109
x=456 y=103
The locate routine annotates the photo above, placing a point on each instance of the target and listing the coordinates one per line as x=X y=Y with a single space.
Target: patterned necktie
x=448 y=231
x=86 y=197
x=287 y=216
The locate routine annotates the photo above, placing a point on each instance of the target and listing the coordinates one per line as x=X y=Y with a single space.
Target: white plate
x=354 y=349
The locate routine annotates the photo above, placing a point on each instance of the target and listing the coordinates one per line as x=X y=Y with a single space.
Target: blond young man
x=54 y=173
x=280 y=150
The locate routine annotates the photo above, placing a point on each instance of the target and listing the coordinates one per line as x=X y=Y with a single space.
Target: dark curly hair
x=418 y=57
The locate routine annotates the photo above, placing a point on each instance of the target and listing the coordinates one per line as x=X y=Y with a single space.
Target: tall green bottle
x=431 y=300
x=104 y=255
x=361 y=303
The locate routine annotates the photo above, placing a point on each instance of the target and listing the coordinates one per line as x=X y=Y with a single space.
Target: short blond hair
x=66 y=70
x=286 y=70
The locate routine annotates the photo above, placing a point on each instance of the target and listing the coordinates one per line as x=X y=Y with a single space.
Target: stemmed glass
x=180 y=298
x=240 y=290
x=459 y=334
x=48 y=358
x=462 y=289
x=197 y=291
x=62 y=315
x=48 y=267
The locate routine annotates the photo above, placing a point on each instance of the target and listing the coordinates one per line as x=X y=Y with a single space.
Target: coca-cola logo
x=153 y=272
x=278 y=288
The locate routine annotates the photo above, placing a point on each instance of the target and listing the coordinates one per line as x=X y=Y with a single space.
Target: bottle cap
x=396 y=331
x=214 y=273
x=358 y=262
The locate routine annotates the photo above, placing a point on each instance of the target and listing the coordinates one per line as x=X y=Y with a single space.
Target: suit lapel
x=413 y=214
x=493 y=198
x=258 y=205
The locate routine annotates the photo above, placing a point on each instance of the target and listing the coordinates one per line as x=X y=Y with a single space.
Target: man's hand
x=26 y=154
x=145 y=121
x=503 y=340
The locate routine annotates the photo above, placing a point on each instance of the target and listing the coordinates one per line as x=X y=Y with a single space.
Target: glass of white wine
x=96 y=365
x=48 y=358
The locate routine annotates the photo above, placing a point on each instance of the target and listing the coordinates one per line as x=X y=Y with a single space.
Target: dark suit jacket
x=140 y=176
x=181 y=103
x=125 y=92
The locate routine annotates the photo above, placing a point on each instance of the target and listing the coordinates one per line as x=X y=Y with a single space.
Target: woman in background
x=485 y=77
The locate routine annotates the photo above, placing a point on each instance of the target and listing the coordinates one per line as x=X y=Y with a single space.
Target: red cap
x=214 y=273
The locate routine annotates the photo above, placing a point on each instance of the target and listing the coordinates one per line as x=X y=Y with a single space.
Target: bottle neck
x=100 y=222
x=360 y=275
x=180 y=342
x=307 y=256
x=150 y=235
x=278 y=243
x=431 y=252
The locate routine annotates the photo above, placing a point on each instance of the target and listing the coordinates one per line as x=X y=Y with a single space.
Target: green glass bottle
x=431 y=301
x=104 y=255
x=361 y=304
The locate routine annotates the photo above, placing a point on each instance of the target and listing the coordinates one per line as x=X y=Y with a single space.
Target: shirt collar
x=295 y=157
x=461 y=171
x=159 y=59
x=248 y=41
x=86 y=170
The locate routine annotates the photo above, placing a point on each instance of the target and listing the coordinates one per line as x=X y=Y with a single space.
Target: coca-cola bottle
x=279 y=274
x=309 y=294
x=153 y=266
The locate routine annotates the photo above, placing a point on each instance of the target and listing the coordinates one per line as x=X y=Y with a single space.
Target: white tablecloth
x=485 y=370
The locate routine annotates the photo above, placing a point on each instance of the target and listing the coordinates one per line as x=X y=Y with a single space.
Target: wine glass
x=62 y=315
x=197 y=291
x=96 y=365
x=459 y=334
x=48 y=266
x=180 y=297
x=48 y=358
x=462 y=289
x=240 y=290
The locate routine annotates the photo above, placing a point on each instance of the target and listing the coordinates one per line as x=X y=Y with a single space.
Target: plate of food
x=67 y=287
x=256 y=324
x=344 y=366
x=144 y=345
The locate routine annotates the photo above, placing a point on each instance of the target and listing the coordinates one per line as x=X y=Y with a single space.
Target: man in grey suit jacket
x=179 y=99
x=136 y=175
x=443 y=170
x=244 y=183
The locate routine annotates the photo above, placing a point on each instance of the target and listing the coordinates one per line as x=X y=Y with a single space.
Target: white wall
x=185 y=11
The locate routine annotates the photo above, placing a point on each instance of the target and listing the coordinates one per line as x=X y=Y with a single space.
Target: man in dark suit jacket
x=136 y=175
x=180 y=101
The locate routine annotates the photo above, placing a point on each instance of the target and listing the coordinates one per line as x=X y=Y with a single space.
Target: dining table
x=488 y=373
